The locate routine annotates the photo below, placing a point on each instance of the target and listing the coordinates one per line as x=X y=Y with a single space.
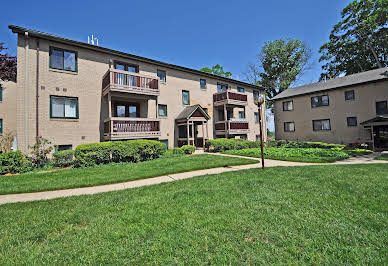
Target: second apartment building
x=72 y=92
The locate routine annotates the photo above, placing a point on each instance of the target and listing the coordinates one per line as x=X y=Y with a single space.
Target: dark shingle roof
x=189 y=111
x=379 y=118
x=346 y=81
x=52 y=37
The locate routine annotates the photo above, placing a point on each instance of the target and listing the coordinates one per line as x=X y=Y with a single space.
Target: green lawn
x=383 y=157
x=333 y=214
x=309 y=155
x=113 y=173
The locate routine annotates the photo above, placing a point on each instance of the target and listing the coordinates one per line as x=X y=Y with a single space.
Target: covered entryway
x=192 y=125
x=378 y=127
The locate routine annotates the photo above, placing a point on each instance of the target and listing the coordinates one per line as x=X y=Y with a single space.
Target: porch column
x=188 y=135
x=109 y=105
x=203 y=134
x=192 y=132
x=373 y=139
x=207 y=130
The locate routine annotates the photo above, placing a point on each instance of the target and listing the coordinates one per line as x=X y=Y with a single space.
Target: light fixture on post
x=259 y=102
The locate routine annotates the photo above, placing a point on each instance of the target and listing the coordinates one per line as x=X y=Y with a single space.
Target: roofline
x=51 y=37
x=329 y=89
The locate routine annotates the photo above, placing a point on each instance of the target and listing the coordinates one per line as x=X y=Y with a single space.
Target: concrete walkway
x=45 y=195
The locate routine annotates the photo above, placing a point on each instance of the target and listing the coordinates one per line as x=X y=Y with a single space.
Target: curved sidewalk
x=45 y=195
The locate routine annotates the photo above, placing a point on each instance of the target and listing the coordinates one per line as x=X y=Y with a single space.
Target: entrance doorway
x=381 y=137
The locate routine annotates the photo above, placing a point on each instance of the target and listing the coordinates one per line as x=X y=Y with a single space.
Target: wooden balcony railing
x=131 y=128
x=232 y=127
x=124 y=81
x=229 y=97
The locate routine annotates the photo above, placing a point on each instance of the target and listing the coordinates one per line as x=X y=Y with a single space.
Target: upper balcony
x=229 y=97
x=130 y=82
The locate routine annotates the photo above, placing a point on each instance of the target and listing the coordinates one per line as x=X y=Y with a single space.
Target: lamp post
x=259 y=101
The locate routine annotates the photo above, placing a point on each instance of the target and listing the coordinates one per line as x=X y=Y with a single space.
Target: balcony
x=229 y=97
x=232 y=127
x=124 y=81
x=120 y=128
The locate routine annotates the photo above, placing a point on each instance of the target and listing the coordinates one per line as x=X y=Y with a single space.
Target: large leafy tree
x=217 y=70
x=279 y=65
x=7 y=65
x=359 y=42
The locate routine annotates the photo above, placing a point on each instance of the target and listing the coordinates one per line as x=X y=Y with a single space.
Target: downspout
x=37 y=88
x=26 y=94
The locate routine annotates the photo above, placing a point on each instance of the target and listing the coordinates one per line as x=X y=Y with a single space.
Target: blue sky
x=188 y=33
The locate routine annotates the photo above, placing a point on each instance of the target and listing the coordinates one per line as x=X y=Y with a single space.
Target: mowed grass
x=383 y=157
x=308 y=155
x=332 y=214
x=112 y=173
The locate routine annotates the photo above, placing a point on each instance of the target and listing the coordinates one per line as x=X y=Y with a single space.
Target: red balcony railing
x=229 y=97
x=232 y=127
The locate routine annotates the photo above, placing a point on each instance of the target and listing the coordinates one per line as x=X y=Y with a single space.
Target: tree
x=359 y=42
x=7 y=65
x=217 y=70
x=279 y=65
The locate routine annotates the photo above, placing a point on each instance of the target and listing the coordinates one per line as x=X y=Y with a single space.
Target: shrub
x=358 y=152
x=222 y=144
x=39 y=152
x=14 y=162
x=63 y=158
x=188 y=149
x=6 y=141
x=117 y=151
x=92 y=154
x=311 y=144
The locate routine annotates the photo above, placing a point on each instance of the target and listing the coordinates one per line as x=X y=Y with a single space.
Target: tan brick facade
x=86 y=85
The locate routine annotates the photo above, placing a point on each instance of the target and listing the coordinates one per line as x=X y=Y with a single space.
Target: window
x=256 y=95
x=126 y=110
x=1 y=126
x=162 y=110
x=323 y=124
x=256 y=117
x=352 y=121
x=1 y=93
x=222 y=87
x=381 y=108
x=63 y=147
x=349 y=95
x=289 y=126
x=162 y=75
x=202 y=83
x=186 y=97
x=241 y=114
x=239 y=89
x=126 y=67
x=318 y=101
x=62 y=59
x=288 y=106
x=63 y=107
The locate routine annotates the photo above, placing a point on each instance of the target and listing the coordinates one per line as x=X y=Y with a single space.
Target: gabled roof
x=190 y=110
x=379 y=118
x=52 y=37
x=346 y=81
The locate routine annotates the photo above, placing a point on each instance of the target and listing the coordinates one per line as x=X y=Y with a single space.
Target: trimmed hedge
x=63 y=158
x=188 y=149
x=117 y=151
x=301 y=144
x=222 y=144
x=14 y=162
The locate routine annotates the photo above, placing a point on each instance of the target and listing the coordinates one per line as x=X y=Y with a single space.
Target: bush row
x=117 y=151
x=14 y=162
x=222 y=144
x=302 y=144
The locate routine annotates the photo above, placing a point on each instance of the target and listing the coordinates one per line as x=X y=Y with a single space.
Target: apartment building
x=350 y=109
x=72 y=92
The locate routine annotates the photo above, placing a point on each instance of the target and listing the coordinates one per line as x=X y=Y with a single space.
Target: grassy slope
x=308 y=155
x=300 y=215
x=383 y=157
x=112 y=173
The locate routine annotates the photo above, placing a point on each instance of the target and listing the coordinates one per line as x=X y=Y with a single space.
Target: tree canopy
x=359 y=42
x=7 y=65
x=217 y=70
x=279 y=64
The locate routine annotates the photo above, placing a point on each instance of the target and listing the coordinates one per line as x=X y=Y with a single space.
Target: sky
x=189 y=33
